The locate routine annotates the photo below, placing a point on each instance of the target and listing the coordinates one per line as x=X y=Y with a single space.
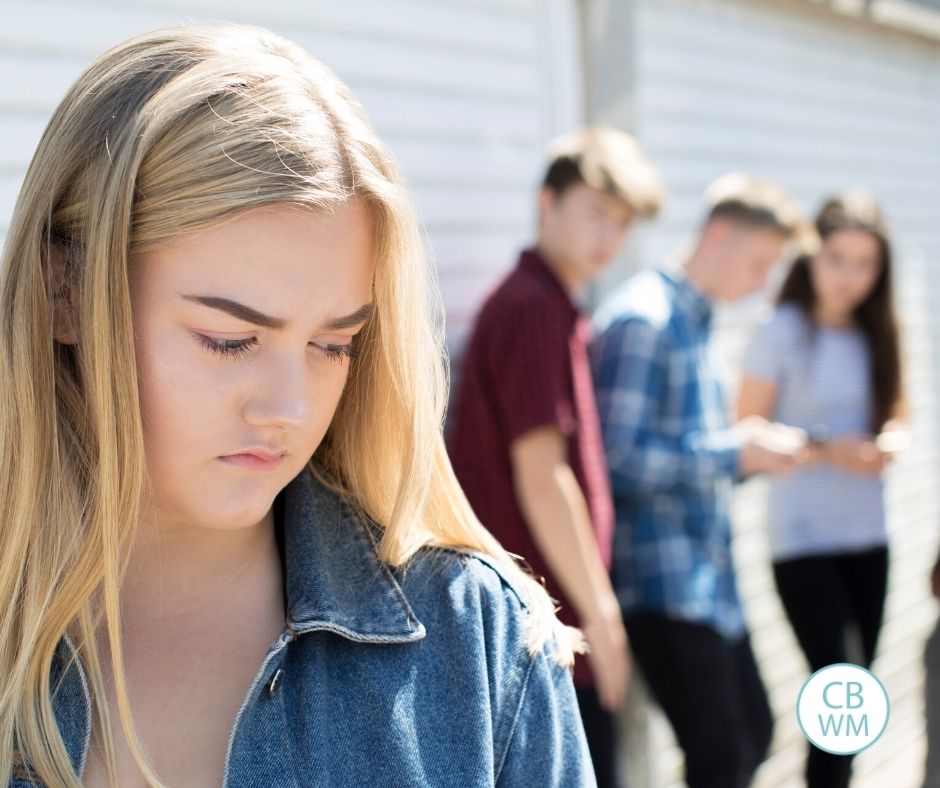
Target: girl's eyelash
x=338 y=352
x=227 y=348
x=237 y=348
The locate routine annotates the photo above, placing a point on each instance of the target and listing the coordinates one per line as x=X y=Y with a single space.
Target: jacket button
x=275 y=681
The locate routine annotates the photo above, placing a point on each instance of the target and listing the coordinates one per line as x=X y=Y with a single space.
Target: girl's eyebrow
x=361 y=315
x=250 y=315
x=241 y=311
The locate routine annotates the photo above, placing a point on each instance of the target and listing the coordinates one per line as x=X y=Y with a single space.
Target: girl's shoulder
x=786 y=326
x=788 y=318
x=479 y=623
x=473 y=596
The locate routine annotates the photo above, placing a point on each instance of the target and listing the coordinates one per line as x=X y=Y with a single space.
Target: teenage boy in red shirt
x=525 y=438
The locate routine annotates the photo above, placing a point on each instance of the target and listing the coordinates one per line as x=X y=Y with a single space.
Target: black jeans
x=825 y=598
x=711 y=691
x=601 y=731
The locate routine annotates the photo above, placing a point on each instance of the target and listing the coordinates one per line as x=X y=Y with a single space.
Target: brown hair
x=876 y=315
x=756 y=203
x=608 y=160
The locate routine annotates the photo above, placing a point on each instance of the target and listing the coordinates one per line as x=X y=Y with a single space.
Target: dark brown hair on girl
x=876 y=315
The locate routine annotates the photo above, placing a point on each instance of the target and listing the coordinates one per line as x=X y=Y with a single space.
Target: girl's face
x=242 y=333
x=844 y=270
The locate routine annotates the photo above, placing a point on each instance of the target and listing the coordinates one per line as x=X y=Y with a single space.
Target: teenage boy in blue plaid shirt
x=672 y=460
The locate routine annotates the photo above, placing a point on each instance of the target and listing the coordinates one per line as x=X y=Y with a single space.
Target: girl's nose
x=282 y=396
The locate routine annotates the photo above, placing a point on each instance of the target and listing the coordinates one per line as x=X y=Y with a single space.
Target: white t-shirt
x=823 y=379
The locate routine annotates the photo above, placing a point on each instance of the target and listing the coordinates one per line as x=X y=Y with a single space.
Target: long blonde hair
x=172 y=131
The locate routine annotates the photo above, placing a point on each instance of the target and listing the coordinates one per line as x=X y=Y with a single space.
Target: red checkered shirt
x=526 y=366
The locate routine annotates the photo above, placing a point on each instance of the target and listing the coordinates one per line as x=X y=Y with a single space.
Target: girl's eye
x=337 y=352
x=237 y=348
x=227 y=348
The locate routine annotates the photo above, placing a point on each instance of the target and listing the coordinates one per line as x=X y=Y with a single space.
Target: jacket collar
x=334 y=581
x=334 y=578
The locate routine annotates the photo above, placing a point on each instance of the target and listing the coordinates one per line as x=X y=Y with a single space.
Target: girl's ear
x=59 y=276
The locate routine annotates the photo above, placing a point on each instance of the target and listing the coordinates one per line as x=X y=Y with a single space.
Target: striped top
x=823 y=382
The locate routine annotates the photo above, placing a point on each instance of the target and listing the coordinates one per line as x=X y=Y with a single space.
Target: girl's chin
x=230 y=516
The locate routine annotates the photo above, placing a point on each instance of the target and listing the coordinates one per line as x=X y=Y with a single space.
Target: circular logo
x=843 y=708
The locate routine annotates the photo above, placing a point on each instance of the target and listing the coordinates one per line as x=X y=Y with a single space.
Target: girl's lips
x=254 y=462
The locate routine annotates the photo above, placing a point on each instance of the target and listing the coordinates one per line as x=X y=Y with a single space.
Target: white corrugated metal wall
x=819 y=102
x=466 y=93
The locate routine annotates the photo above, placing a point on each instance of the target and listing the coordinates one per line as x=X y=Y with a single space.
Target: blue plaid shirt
x=671 y=456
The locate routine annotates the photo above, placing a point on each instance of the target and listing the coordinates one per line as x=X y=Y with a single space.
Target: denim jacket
x=385 y=677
